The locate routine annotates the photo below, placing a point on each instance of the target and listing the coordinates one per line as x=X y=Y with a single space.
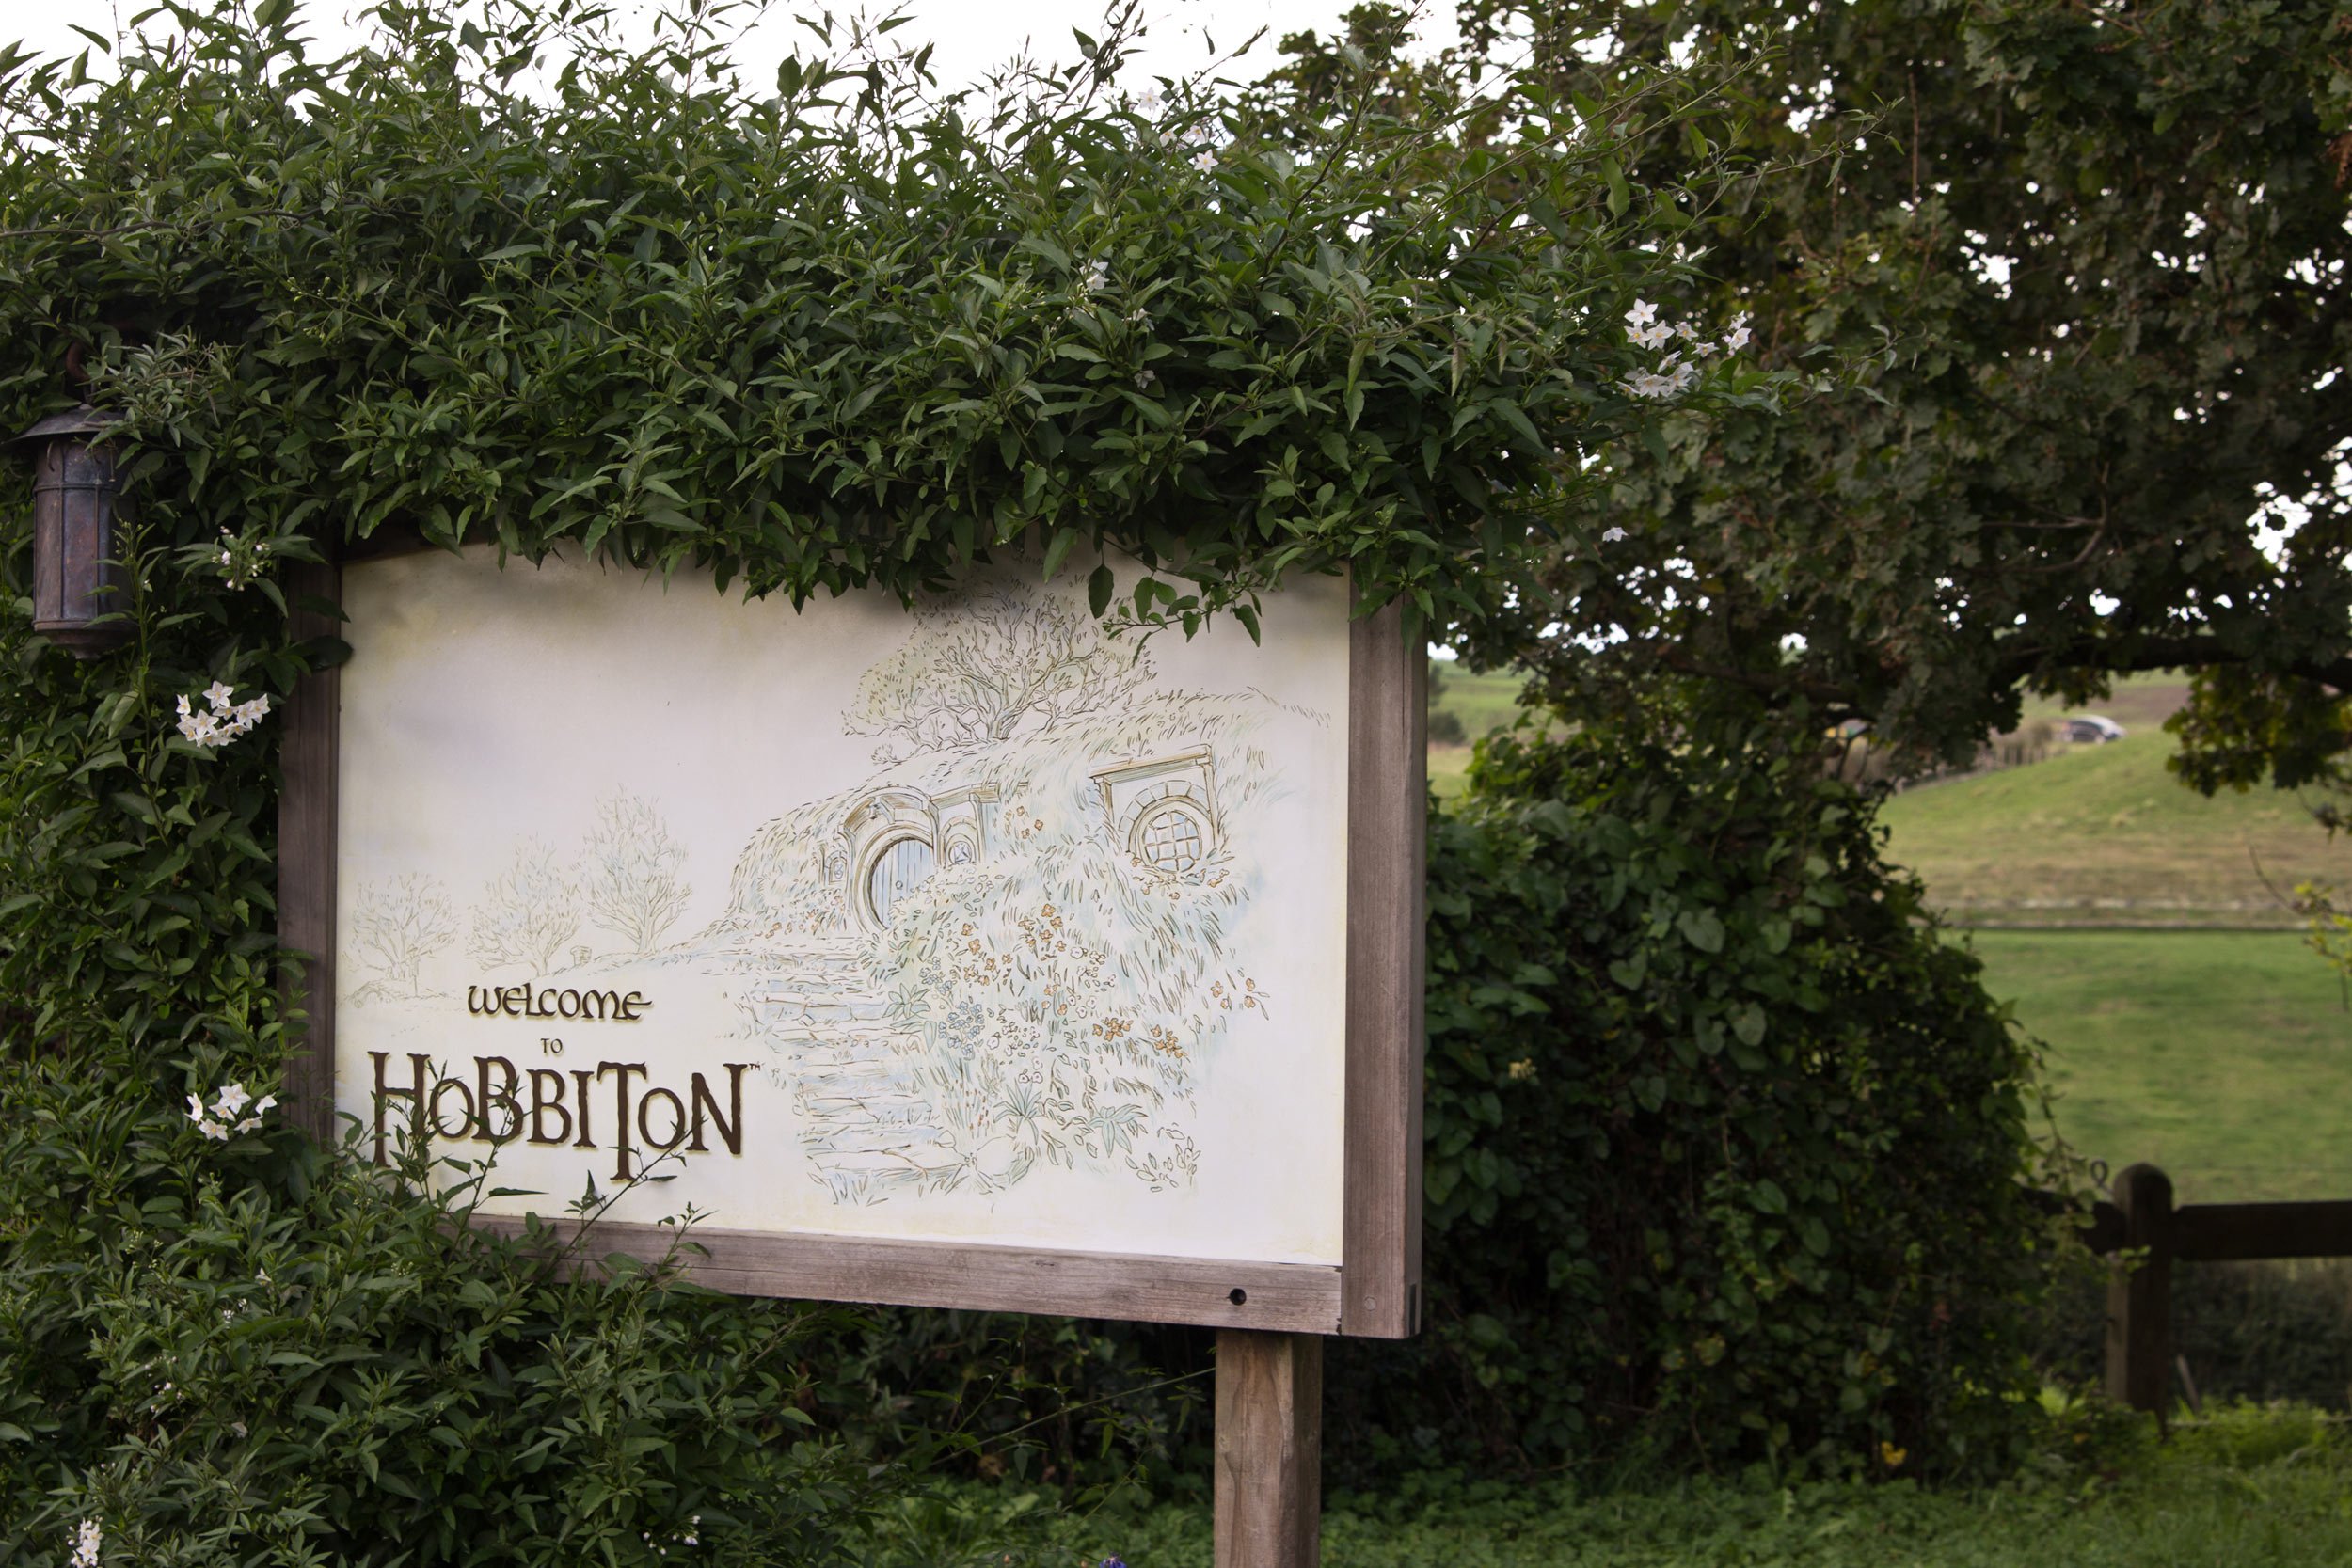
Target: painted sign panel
x=969 y=925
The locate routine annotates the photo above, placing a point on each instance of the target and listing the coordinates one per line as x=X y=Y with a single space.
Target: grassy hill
x=2104 y=835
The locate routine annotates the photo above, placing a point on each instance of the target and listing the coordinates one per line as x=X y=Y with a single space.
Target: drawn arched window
x=897 y=870
x=1171 y=837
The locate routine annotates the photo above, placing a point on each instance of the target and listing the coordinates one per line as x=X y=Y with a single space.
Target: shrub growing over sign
x=833 y=335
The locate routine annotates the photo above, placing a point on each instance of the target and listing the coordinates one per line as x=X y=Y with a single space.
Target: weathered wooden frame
x=1373 y=1292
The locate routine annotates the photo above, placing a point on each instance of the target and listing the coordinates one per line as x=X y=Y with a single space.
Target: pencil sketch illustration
x=1011 y=949
x=528 y=912
x=399 y=924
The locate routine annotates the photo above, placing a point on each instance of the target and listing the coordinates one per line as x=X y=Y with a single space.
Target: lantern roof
x=74 y=421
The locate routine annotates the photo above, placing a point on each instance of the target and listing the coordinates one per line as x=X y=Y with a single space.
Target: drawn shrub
x=396 y=925
x=528 y=912
x=634 y=885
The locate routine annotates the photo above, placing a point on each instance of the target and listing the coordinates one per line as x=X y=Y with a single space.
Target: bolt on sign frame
x=1373 y=1288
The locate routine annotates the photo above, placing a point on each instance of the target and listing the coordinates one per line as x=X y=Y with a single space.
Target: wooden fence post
x=1269 y=1449
x=2140 y=1303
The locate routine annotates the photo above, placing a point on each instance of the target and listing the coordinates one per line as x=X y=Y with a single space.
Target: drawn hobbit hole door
x=897 y=870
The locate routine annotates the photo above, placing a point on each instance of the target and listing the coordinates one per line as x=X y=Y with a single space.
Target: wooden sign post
x=1268 y=1493
x=975 y=957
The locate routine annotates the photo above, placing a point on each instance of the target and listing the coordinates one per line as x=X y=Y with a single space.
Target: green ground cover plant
x=2223 y=1056
x=2251 y=1487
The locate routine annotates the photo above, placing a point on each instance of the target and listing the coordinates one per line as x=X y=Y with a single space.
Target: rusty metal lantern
x=75 y=579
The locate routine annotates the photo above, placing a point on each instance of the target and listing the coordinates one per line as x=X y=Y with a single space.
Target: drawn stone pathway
x=865 y=1120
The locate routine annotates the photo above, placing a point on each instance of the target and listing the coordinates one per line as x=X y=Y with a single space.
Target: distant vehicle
x=2088 y=729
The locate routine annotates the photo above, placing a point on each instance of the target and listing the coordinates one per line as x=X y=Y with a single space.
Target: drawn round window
x=897 y=870
x=1170 y=838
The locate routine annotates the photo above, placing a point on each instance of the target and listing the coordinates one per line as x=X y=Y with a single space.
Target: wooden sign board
x=968 y=957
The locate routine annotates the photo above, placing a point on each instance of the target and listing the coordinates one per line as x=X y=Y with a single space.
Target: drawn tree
x=397 y=925
x=976 y=671
x=633 y=886
x=528 y=912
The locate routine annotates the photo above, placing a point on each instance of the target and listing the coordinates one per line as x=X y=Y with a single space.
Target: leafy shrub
x=1724 y=1146
x=245 y=1349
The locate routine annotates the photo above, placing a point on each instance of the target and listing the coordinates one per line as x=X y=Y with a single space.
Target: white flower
x=232 y=1099
x=1737 y=341
x=88 y=1538
x=1098 y=275
x=1204 y=161
x=1656 y=334
x=1642 y=313
x=213 y=1130
x=223 y=723
x=196 y=1107
x=1613 y=535
x=1686 y=331
x=223 y=558
x=1146 y=376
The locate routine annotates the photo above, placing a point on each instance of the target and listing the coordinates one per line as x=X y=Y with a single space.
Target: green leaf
x=1057 y=549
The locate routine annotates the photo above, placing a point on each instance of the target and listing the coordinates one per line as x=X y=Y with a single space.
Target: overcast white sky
x=971 y=36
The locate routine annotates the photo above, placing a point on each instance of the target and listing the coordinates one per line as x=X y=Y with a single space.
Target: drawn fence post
x=2139 y=1300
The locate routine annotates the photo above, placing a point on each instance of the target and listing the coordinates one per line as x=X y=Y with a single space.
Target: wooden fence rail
x=2140 y=1301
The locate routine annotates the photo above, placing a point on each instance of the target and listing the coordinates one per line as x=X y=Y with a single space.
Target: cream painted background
x=483 y=706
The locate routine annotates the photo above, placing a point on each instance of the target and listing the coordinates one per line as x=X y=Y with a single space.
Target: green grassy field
x=2223 y=1056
